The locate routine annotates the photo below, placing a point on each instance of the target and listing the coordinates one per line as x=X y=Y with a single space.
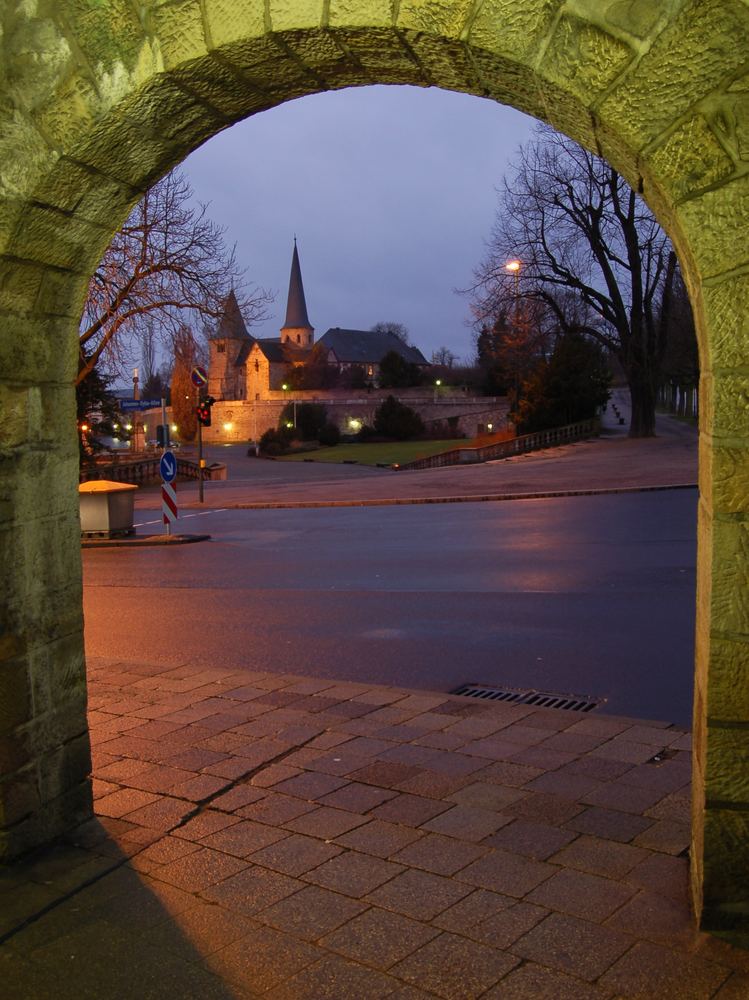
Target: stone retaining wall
x=244 y=420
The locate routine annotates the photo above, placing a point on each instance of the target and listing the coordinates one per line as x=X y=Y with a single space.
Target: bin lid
x=104 y=486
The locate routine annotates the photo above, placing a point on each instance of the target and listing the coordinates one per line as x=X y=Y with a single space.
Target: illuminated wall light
x=355 y=425
x=228 y=426
x=175 y=428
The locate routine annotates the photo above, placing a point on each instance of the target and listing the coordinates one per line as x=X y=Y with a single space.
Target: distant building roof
x=244 y=350
x=360 y=347
x=275 y=349
x=231 y=325
x=296 y=306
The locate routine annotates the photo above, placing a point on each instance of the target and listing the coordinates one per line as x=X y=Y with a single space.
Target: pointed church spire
x=231 y=325
x=296 y=328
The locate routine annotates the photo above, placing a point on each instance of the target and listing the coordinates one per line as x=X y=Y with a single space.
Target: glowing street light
x=285 y=388
x=514 y=267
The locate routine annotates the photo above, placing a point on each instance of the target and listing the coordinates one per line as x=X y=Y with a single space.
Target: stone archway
x=99 y=100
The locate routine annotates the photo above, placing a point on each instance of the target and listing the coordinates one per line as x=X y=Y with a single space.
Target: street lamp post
x=514 y=267
x=285 y=388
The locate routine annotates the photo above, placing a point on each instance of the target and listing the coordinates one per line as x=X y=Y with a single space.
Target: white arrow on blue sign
x=168 y=466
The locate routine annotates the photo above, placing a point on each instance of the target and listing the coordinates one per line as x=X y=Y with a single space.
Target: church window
x=220 y=348
x=257 y=365
x=298 y=339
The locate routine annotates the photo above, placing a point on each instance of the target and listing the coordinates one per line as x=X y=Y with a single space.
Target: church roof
x=231 y=325
x=275 y=350
x=272 y=348
x=296 y=306
x=244 y=350
x=368 y=346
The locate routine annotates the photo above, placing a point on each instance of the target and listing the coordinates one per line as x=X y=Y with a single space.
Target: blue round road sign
x=199 y=376
x=168 y=466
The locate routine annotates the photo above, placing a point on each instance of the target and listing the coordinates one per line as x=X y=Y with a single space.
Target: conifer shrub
x=396 y=420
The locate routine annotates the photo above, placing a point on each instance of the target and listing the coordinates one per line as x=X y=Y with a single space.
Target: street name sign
x=139 y=404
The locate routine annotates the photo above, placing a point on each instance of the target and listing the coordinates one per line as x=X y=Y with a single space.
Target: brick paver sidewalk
x=265 y=835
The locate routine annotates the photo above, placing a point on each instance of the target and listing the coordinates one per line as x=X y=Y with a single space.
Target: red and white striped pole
x=169 y=505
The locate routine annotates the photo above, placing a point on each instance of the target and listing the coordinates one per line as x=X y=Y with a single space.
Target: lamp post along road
x=513 y=267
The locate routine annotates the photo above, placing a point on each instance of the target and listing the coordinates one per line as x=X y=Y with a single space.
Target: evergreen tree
x=97 y=410
x=395 y=420
x=397 y=373
x=567 y=388
x=183 y=394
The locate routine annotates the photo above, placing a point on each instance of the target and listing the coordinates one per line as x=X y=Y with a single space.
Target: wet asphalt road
x=587 y=595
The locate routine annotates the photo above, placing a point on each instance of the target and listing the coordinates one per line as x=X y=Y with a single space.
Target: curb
x=141 y=541
x=478 y=498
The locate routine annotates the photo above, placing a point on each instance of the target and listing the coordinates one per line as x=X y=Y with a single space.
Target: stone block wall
x=247 y=420
x=101 y=99
x=243 y=420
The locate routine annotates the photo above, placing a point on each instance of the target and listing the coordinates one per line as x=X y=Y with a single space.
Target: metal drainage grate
x=541 y=699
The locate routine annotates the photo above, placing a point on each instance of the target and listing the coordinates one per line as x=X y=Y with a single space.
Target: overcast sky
x=389 y=190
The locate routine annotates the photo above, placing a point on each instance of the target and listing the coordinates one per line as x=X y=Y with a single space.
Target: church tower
x=229 y=346
x=297 y=330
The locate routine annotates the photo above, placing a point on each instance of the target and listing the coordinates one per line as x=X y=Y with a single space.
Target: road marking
x=200 y=513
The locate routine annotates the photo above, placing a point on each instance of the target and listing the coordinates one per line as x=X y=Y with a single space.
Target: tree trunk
x=642 y=422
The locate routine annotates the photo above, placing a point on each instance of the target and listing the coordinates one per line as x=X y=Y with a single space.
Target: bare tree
x=146 y=334
x=576 y=227
x=444 y=357
x=397 y=329
x=168 y=261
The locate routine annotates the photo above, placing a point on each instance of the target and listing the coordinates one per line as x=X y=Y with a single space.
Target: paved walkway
x=262 y=835
x=272 y=836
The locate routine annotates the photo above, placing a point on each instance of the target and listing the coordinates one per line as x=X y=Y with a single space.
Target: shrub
x=329 y=435
x=310 y=419
x=395 y=420
x=275 y=442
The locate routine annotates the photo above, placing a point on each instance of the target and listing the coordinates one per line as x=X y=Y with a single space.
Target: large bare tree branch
x=168 y=265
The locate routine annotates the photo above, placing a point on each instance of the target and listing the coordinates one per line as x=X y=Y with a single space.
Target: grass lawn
x=378 y=453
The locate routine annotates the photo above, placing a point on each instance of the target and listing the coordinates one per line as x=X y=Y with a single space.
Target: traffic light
x=203 y=411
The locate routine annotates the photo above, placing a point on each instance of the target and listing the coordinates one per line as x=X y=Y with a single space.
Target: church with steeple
x=243 y=367
x=297 y=329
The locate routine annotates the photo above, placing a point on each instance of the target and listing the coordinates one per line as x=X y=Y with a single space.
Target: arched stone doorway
x=100 y=100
